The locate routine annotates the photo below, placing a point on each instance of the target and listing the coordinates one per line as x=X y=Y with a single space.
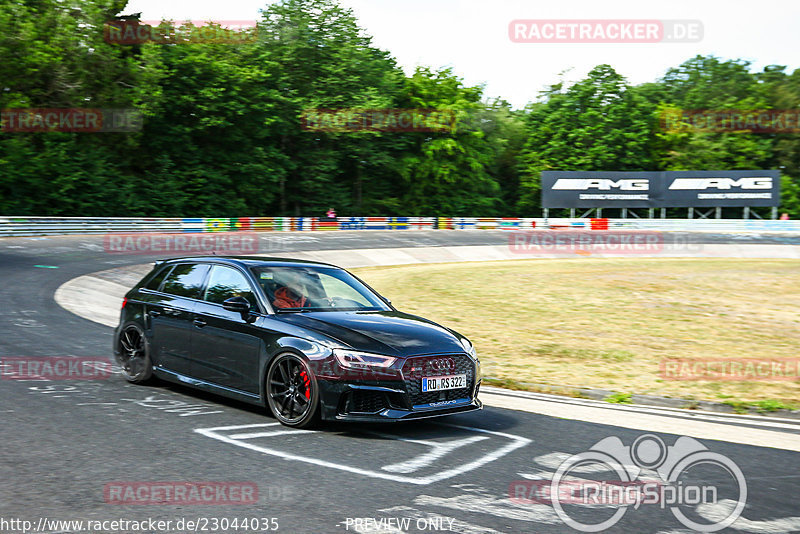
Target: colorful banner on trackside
x=33 y=226
x=300 y=224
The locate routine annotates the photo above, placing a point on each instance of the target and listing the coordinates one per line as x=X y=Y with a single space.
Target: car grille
x=416 y=368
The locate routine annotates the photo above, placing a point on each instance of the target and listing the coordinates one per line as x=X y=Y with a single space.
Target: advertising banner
x=670 y=189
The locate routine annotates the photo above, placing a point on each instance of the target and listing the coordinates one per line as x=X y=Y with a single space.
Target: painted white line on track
x=757 y=420
x=720 y=510
x=497 y=506
x=646 y=419
x=437 y=451
x=515 y=442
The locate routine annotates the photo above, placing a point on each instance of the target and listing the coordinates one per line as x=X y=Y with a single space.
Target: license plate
x=440 y=383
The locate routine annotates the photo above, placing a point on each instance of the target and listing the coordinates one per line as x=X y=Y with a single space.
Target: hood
x=387 y=332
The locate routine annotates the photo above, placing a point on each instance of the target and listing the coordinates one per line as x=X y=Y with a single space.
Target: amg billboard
x=670 y=189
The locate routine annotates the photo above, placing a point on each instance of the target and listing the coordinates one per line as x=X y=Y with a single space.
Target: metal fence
x=39 y=226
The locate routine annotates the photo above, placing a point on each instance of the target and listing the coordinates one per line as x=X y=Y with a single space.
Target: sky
x=471 y=36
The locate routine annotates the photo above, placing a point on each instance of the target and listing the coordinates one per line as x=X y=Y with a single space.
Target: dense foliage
x=223 y=134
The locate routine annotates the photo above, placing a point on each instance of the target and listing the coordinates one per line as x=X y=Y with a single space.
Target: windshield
x=315 y=289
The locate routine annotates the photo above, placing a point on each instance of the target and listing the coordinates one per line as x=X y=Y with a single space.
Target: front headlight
x=469 y=348
x=361 y=360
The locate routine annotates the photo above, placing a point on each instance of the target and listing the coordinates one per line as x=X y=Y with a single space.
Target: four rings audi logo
x=442 y=364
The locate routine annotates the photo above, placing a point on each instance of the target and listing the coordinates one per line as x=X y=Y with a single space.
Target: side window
x=226 y=282
x=185 y=280
x=155 y=282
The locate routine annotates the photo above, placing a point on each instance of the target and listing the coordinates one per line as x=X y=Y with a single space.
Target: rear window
x=185 y=280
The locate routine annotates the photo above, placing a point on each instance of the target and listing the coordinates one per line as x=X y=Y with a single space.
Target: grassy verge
x=608 y=323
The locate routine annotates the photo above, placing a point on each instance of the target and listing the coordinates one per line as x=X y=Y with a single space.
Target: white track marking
x=692 y=415
x=554 y=459
x=515 y=443
x=648 y=419
x=485 y=503
x=424 y=460
x=721 y=510
x=545 y=475
x=253 y=435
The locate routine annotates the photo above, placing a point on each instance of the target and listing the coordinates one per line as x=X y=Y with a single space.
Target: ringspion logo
x=646 y=473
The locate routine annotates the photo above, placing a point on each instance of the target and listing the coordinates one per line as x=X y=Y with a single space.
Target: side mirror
x=237 y=304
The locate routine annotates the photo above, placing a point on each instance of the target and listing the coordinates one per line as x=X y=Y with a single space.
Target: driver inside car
x=289 y=297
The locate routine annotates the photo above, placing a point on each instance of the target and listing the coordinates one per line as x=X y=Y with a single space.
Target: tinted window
x=155 y=282
x=185 y=280
x=339 y=289
x=226 y=282
x=318 y=288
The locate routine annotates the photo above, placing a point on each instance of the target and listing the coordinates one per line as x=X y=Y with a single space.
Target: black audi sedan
x=307 y=340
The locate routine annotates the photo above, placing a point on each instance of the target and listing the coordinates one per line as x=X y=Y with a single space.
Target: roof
x=251 y=261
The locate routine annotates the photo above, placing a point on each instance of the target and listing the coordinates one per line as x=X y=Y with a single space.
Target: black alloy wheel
x=134 y=357
x=292 y=391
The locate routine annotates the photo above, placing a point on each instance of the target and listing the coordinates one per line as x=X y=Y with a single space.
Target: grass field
x=608 y=323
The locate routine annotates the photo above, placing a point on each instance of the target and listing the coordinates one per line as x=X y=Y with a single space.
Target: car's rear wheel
x=292 y=391
x=133 y=355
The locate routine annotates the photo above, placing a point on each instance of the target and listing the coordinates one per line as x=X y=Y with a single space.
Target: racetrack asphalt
x=65 y=441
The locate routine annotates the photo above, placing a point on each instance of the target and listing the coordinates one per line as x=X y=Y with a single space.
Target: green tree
x=599 y=124
x=447 y=172
x=209 y=145
x=785 y=95
x=54 y=56
x=324 y=60
x=708 y=83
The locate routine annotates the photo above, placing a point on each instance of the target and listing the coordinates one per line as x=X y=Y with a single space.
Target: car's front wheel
x=133 y=355
x=292 y=391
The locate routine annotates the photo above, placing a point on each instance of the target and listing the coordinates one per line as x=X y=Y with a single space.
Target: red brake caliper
x=306 y=383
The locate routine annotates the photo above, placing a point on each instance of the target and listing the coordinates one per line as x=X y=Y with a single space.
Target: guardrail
x=38 y=226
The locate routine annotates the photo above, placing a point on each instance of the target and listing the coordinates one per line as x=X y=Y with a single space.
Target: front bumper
x=394 y=415
x=398 y=396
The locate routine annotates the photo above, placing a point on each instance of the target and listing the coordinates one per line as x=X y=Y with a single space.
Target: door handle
x=154 y=313
x=199 y=323
x=170 y=311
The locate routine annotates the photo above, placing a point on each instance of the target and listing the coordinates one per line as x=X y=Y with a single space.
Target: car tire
x=292 y=391
x=133 y=354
